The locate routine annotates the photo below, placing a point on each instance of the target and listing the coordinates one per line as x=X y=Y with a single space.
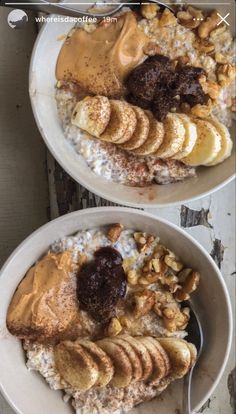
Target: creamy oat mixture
x=40 y=357
x=115 y=164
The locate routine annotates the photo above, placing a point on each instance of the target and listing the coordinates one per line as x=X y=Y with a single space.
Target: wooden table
x=34 y=189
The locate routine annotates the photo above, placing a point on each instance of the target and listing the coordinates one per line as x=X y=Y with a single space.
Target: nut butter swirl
x=99 y=62
x=44 y=303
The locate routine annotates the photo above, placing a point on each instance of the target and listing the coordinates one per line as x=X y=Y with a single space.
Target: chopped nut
x=149 y=11
x=172 y=261
x=189 y=285
x=182 y=276
x=174 y=319
x=167 y=19
x=209 y=24
x=132 y=277
x=125 y=321
x=191 y=18
x=152 y=278
x=202 y=111
x=143 y=240
x=114 y=327
x=143 y=281
x=143 y=302
x=114 y=232
x=219 y=58
x=151 y=49
x=159 y=251
x=128 y=263
x=204 y=46
x=226 y=74
x=152 y=265
x=217 y=32
x=209 y=87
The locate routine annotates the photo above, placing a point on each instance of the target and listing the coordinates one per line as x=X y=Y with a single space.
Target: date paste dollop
x=101 y=283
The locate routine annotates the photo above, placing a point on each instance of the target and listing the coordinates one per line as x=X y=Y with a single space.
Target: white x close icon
x=223 y=19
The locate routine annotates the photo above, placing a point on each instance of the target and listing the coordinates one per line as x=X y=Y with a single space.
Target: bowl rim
x=79 y=213
x=80 y=180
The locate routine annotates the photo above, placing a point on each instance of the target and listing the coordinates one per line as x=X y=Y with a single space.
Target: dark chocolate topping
x=101 y=283
x=157 y=86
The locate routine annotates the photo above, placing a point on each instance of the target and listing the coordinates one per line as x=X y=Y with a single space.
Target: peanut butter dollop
x=44 y=303
x=100 y=61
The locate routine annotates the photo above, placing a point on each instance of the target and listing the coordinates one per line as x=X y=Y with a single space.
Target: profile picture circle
x=17 y=19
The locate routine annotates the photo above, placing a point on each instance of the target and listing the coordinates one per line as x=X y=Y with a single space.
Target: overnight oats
x=103 y=317
x=148 y=96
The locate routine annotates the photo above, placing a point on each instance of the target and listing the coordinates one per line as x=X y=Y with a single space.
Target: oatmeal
x=116 y=362
x=181 y=64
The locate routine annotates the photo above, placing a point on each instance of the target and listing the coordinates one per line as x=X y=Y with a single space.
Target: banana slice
x=123 y=368
x=179 y=354
x=141 y=131
x=190 y=137
x=75 y=365
x=159 y=369
x=154 y=138
x=163 y=354
x=143 y=354
x=103 y=361
x=122 y=123
x=133 y=357
x=226 y=142
x=207 y=146
x=174 y=137
x=92 y=114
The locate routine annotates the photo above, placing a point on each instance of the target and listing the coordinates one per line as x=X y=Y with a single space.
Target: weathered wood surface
x=24 y=197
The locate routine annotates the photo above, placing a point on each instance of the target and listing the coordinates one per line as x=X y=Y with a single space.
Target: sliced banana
x=122 y=123
x=189 y=139
x=226 y=142
x=92 y=114
x=103 y=361
x=141 y=131
x=75 y=365
x=154 y=139
x=179 y=354
x=207 y=146
x=123 y=368
x=174 y=137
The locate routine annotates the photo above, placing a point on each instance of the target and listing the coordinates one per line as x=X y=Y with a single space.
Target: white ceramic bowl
x=42 y=91
x=27 y=392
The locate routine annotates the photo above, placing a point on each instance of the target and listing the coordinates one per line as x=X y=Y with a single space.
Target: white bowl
x=42 y=91
x=27 y=392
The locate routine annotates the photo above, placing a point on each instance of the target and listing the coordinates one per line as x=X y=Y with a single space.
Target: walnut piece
x=175 y=319
x=173 y=262
x=210 y=87
x=202 y=111
x=219 y=58
x=167 y=19
x=114 y=327
x=226 y=74
x=191 y=18
x=132 y=277
x=149 y=11
x=125 y=321
x=143 y=240
x=204 y=46
x=172 y=316
x=114 y=232
x=143 y=302
x=209 y=24
x=188 y=286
